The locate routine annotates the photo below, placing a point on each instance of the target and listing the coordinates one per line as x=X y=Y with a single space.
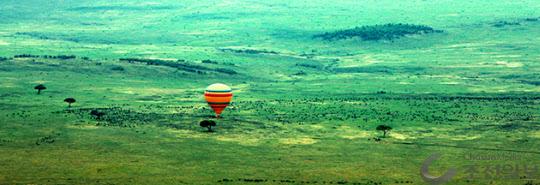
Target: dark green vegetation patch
x=400 y=108
x=379 y=69
x=378 y=32
x=180 y=65
x=120 y=117
x=248 y=51
x=63 y=57
x=120 y=8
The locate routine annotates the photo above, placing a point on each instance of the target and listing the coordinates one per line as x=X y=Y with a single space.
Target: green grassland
x=304 y=110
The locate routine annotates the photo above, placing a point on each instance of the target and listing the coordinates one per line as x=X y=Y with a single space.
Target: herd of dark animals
x=99 y=114
x=289 y=181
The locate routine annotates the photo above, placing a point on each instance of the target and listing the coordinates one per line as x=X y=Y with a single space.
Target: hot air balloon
x=218 y=97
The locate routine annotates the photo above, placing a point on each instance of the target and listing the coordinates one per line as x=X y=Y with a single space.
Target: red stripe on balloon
x=217 y=95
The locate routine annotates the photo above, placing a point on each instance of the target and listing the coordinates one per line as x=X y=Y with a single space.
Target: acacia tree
x=70 y=101
x=40 y=87
x=208 y=124
x=384 y=128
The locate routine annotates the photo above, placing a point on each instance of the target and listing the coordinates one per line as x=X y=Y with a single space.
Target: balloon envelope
x=218 y=97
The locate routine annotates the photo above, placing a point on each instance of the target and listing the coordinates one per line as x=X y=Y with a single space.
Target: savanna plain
x=312 y=82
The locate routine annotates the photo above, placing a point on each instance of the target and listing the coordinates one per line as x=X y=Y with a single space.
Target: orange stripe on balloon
x=218 y=99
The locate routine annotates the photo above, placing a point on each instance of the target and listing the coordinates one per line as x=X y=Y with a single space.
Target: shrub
x=226 y=71
x=117 y=68
x=208 y=61
x=505 y=23
x=308 y=65
x=300 y=73
x=26 y=56
x=98 y=114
